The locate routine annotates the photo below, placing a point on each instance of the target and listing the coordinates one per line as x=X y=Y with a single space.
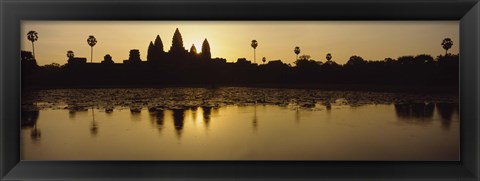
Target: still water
x=237 y=124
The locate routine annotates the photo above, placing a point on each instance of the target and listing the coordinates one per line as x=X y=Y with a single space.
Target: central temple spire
x=177 y=42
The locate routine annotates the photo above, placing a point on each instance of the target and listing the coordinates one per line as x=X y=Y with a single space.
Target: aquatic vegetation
x=179 y=98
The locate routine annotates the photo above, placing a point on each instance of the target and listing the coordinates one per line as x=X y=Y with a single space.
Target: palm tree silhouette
x=254 y=46
x=328 y=57
x=32 y=36
x=91 y=41
x=447 y=43
x=297 y=51
x=70 y=54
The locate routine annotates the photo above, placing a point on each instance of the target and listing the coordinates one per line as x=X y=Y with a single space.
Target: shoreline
x=434 y=89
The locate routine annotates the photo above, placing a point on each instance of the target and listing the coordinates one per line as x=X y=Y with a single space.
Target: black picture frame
x=12 y=12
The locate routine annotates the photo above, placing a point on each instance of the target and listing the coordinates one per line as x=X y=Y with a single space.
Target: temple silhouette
x=181 y=67
x=156 y=54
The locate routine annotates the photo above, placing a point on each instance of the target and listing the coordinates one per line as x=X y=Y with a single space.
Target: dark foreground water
x=237 y=124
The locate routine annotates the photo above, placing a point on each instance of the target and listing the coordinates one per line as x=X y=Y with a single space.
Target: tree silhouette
x=423 y=59
x=297 y=51
x=92 y=41
x=329 y=57
x=32 y=36
x=406 y=59
x=193 y=69
x=254 y=46
x=304 y=57
x=355 y=60
x=70 y=54
x=306 y=65
x=447 y=43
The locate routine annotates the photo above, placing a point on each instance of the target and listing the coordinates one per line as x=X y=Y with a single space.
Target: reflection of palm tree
x=32 y=36
x=35 y=134
x=94 y=128
x=297 y=115
x=297 y=111
x=447 y=43
x=255 y=119
x=29 y=119
x=92 y=41
x=297 y=51
x=254 y=46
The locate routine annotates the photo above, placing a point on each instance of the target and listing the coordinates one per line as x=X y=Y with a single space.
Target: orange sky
x=372 y=40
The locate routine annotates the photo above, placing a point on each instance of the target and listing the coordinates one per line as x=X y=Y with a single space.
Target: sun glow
x=198 y=46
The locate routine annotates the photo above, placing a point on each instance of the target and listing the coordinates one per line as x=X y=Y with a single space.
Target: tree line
x=421 y=69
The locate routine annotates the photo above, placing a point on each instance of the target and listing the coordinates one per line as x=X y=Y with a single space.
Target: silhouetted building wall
x=107 y=59
x=219 y=60
x=243 y=61
x=134 y=57
x=275 y=63
x=77 y=61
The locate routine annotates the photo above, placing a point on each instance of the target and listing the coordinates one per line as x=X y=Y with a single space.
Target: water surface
x=237 y=124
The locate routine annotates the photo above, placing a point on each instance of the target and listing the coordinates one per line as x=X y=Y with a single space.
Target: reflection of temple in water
x=178 y=117
x=207 y=111
x=446 y=111
x=415 y=110
x=94 y=126
x=426 y=110
x=160 y=116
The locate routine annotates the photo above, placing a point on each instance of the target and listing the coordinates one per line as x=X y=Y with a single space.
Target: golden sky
x=372 y=40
